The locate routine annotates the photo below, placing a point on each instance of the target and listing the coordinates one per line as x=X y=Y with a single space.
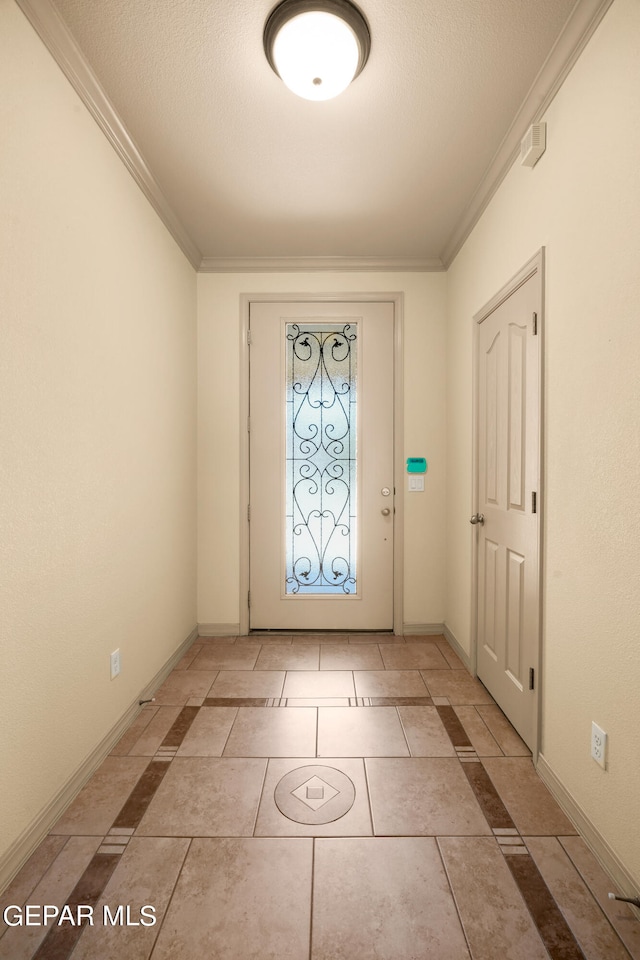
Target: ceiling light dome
x=317 y=47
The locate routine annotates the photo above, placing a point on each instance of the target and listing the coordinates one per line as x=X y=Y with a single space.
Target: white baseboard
x=218 y=629
x=464 y=656
x=22 y=848
x=609 y=861
x=422 y=629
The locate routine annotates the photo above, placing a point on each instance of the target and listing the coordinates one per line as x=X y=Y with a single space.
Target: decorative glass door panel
x=321 y=465
x=321 y=459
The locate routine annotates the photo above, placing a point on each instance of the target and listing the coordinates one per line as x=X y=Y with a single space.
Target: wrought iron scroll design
x=321 y=459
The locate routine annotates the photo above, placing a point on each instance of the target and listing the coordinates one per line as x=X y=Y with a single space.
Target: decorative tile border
x=142 y=795
x=144 y=791
x=551 y=924
x=318 y=701
x=235 y=702
x=559 y=941
x=61 y=940
x=116 y=841
x=467 y=755
x=401 y=701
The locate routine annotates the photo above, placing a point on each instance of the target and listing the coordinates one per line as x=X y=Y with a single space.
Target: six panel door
x=508 y=455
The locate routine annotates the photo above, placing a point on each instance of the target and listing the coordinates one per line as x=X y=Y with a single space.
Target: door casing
x=397 y=299
x=533 y=268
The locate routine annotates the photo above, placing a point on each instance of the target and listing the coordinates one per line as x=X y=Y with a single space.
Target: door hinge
x=248 y=424
x=249 y=337
x=535 y=324
x=534 y=502
x=532 y=677
x=248 y=598
x=248 y=511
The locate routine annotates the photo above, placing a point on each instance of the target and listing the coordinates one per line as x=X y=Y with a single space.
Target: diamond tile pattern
x=315 y=793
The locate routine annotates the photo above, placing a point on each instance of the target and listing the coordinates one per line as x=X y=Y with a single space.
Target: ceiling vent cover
x=533 y=145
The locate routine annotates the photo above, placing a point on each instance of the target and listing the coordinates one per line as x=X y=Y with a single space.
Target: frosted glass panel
x=321 y=458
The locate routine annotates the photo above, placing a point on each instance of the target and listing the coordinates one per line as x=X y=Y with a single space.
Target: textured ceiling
x=385 y=170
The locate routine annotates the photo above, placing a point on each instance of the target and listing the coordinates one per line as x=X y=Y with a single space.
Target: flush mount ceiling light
x=317 y=47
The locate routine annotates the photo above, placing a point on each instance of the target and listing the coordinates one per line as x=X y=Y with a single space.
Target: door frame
x=397 y=299
x=535 y=267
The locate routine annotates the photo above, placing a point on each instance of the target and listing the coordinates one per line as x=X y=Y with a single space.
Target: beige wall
x=582 y=202
x=97 y=426
x=97 y=433
x=219 y=435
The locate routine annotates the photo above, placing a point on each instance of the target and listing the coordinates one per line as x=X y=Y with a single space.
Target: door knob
x=477 y=518
x=385 y=511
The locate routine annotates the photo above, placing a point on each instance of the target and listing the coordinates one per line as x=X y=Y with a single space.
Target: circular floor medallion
x=314 y=795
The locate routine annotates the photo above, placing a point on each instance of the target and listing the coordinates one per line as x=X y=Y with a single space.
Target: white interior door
x=321 y=466
x=508 y=433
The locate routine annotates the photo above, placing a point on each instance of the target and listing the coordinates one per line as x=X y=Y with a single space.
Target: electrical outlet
x=115 y=663
x=598 y=745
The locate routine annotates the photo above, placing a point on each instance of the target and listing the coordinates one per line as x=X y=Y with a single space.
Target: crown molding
x=55 y=35
x=317 y=264
x=580 y=27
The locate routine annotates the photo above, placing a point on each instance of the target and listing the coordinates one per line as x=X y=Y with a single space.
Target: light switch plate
x=416 y=484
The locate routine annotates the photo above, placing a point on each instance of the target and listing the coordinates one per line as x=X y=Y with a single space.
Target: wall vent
x=533 y=145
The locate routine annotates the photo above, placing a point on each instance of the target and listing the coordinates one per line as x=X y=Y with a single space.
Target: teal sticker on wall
x=416 y=465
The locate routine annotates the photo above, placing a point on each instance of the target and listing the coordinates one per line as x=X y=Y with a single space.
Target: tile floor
x=325 y=797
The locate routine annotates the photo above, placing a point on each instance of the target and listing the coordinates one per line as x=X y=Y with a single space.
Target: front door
x=508 y=498
x=321 y=389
